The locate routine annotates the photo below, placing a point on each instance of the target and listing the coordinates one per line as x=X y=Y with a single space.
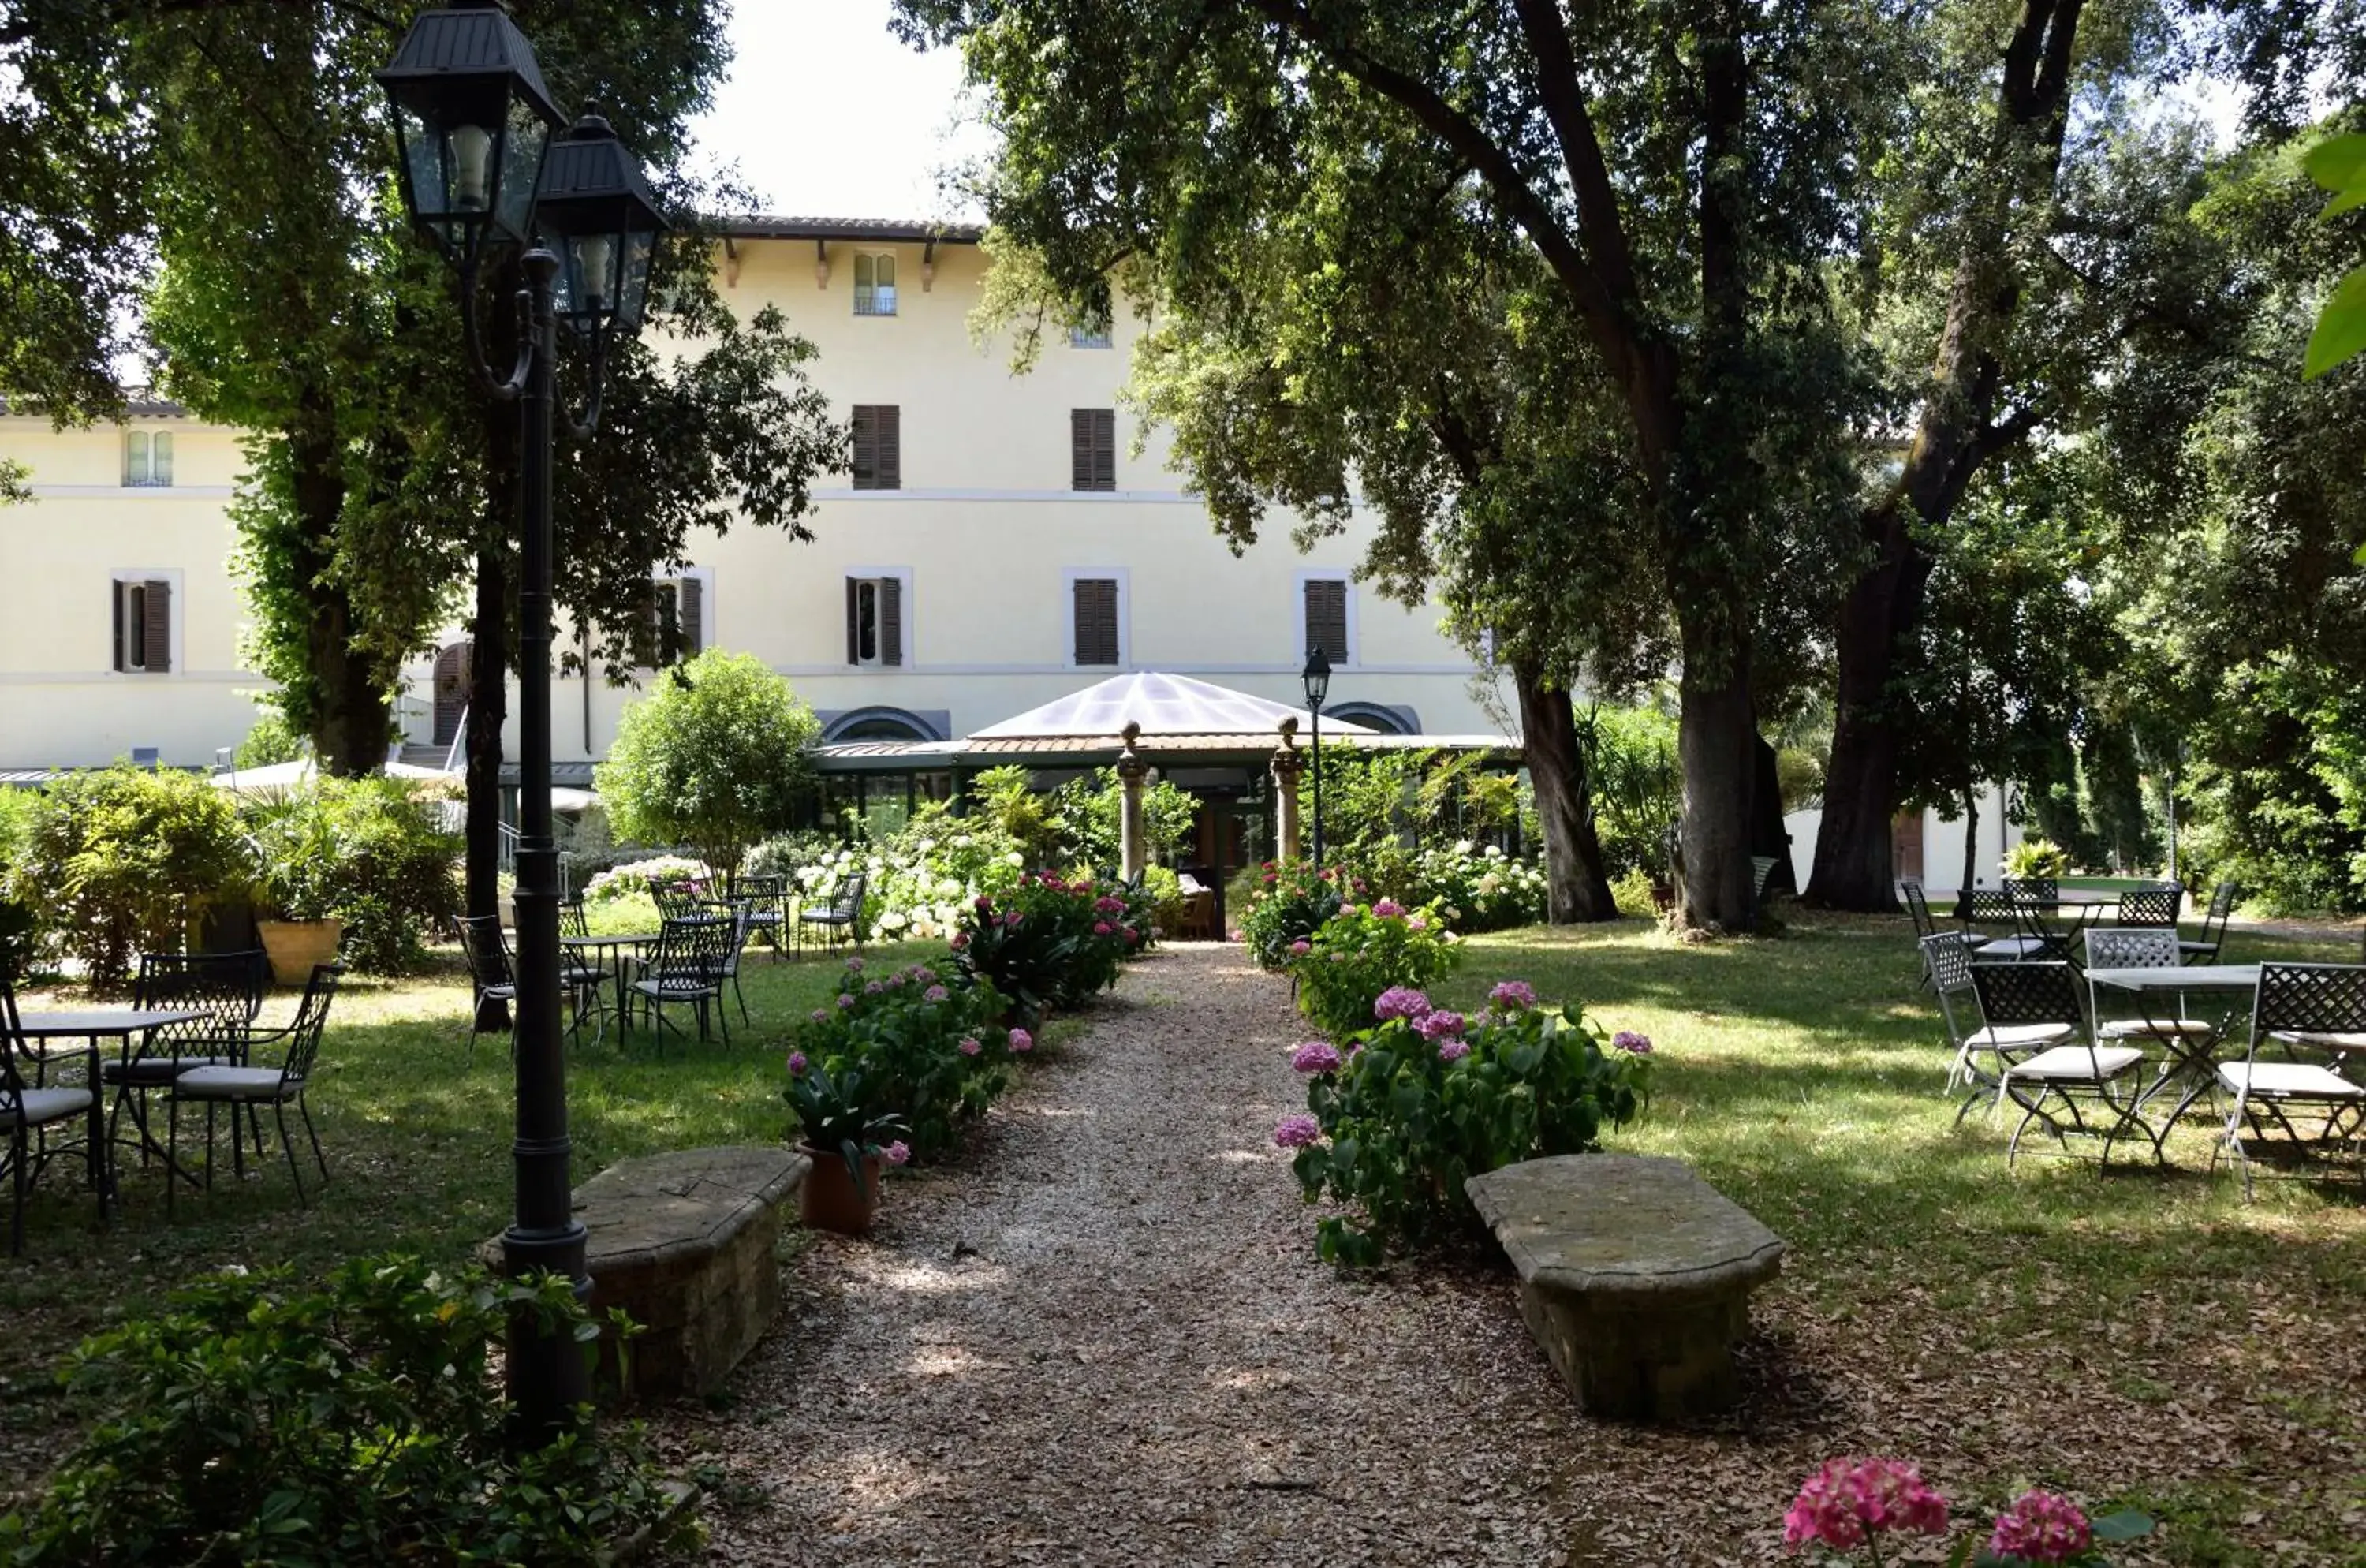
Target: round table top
x=2184 y=977
x=72 y=1022
x=618 y=938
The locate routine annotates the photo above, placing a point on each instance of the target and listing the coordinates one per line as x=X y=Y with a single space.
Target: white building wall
x=1941 y=846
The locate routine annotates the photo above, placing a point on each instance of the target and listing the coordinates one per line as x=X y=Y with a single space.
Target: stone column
x=1288 y=767
x=1133 y=840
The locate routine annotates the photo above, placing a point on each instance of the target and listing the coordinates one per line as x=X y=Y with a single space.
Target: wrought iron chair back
x=2157 y=906
x=12 y=1042
x=312 y=1022
x=675 y=899
x=225 y=988
x=848 y=904
x=2040 y=992
x=572 y=918
x=1918 y=905
x=487 y=950
x=2141 y=947
x=691 y=952
x=2046 y=890
x=2310 y=998
x=2035 y=919
x=1988 y=907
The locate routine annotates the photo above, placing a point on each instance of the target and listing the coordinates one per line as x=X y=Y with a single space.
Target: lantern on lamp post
x=482 y=174
x=1317 y=677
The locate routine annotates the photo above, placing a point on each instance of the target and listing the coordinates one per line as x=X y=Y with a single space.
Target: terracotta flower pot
x=830 y=1201
x=295 y=946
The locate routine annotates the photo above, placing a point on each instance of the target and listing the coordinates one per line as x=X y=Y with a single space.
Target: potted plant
x=848 y=1141
x=296 y=890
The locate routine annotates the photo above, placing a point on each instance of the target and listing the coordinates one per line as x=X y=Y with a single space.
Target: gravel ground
x=1103 y=1337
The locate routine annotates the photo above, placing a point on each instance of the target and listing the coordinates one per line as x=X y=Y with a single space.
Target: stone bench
x=685 y=1242
x=1635 y=1277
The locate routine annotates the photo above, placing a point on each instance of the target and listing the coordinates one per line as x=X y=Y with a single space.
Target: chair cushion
x=2288 y=1080
x=2076 y=1064
x=2007 y=947
x=667 y=986
x=151 y=1071
x=2137 y=1028
x=37 y=1106
x=2018 y=1036
x=2321 y=1042
x=231 y=1083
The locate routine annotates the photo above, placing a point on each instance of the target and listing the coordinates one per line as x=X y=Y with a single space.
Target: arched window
x=1387 y=719
x=878 y=724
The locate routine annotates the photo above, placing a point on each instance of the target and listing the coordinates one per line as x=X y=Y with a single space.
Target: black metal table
x=92 y=1025
x=612 y=949
x=2190 y=1056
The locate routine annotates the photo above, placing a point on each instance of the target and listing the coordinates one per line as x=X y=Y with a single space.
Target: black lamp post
x=482 y=174
x=1317 y=677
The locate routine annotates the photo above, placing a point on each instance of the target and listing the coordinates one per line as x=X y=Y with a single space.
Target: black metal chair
x=251 y=1087
x=1947 y=959
x=676 y=897
x=766 y=900
x=2315 y=1014
x=2206 y=948
x=2044 y=891
x=29 y=1109
x=573 y=920
x=2043 y=937
x=2154 y=906
x=2079 y=1069
x=487 y=951
x=226 y=988
x=737 y=912
x=844 y=913
x=687 y=970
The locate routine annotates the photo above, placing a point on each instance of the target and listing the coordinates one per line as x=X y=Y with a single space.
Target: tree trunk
x=1971 y=836
x=1716 y=731
x=351 y=708
x=1854 y=867
x=488 y=709
x=1577 y=890
x=1768 y=838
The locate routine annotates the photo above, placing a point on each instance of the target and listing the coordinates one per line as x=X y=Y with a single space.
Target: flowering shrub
x=1477 y=889
x=1425 y=1099
x=1360 y=953
x=636 y=877
x=1048 y=942
x=917 y=1037
x=918 y=882
x=1290 y=903
x=1852 y=1503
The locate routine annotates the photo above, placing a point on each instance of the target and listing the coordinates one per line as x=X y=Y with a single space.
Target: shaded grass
x=417 y=1127
x=2144 y=1334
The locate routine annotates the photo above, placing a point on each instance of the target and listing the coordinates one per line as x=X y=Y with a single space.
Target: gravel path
x=1103 y=1337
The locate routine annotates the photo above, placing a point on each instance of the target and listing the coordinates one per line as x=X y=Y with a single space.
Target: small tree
x=719 y=756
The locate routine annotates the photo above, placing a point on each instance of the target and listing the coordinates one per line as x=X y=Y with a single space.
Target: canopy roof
x=1162 y=704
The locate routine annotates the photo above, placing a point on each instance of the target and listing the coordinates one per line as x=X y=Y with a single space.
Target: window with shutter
x=690 y=615
x=143 y=626
x=1096 y=619
x=1326 y=616
x=874 y=621
x=1092 y=448
x=878 y=446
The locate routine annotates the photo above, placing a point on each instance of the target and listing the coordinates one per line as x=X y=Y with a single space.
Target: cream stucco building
x=1000 y=545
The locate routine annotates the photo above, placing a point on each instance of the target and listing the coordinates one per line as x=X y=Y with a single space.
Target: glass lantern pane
x=525 y=137
x=632 y=278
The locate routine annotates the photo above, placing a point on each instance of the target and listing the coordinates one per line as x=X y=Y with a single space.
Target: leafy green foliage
x=1363 y=951
x=839 y=1109
x=368 y=851
x=1049 y=944
x=258 y=1422
x=2036 y=858
x=1407 y=1118
x=718 y=756
x=1290 y=904
x=1090 y=812
x=120 y=861
x=2338 y=164
x=272 y=741
x=910 y=1044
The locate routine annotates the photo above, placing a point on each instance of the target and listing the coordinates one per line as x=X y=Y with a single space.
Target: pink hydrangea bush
x=1363 y=954
x=1425 y=1098
x=908 y=1036
x=1850 y=1504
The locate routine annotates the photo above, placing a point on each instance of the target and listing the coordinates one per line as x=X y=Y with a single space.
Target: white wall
x=1942 y=845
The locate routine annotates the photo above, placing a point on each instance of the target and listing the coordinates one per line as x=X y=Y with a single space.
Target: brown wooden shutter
x=1092 y=448
x=114 y=591
x=866 y=444
x=887 y=455
x=853 y=621
x=158 y=631
x=1096 y=617
x=690 y=609
x=1326 y=617
x=891 y=620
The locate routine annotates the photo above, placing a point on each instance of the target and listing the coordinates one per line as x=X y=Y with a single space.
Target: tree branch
x=1599 y=226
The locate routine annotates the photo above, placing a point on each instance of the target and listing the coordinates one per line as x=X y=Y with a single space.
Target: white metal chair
x=2205 y=949
x=252 y=1085
x=2078 y=1076
x=1947 y=962
x=2315 y=1015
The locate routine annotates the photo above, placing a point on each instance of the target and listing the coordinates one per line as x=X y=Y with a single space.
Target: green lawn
x=417 y=1131
x=2146 y=1335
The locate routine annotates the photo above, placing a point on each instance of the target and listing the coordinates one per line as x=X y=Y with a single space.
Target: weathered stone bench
x=685 y=1242
x=1635 y=1277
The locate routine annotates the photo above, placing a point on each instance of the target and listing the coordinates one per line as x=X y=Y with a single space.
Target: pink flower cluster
x=1512 y=995
x=1297 y=1132
x=935 y=993
x=1021 y=1041
x=1400 y=1001
x=1101 y=927
x=821 y=1015
x=1105 y=905
x=1628 y=1039
x=896 y=1153
x=854 y=966
x=1848 y=1501
x=1302 y=947
x=2041 y=1527
x=796 y=1063
x=969 y=1045
x=1315 y=1057
x=1387 y=908
x=1453 y=1048
x=1436 y=1025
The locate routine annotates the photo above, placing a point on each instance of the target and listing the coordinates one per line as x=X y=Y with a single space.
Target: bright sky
x=827 y=114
